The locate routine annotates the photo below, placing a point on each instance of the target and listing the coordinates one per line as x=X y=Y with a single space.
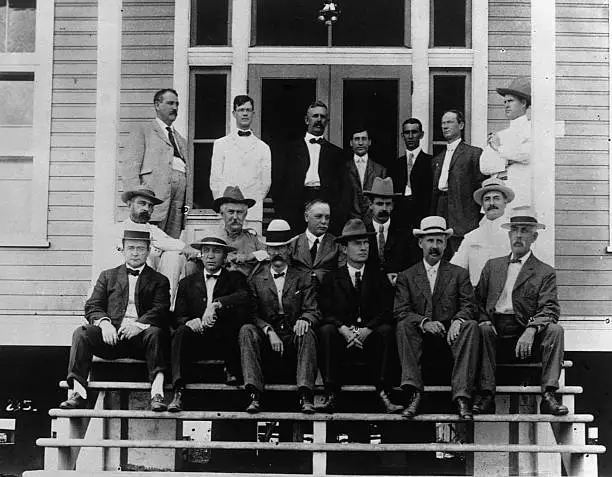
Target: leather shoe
x=550 y=405
x=254 y=407
x=177 y=401
x=329 y=404
x=230 y=378
x=388 y=405
x=464 y=409
x=412 y=409
x=75 y=401
x=306 y=405
x=157 y=403
x=484 y=404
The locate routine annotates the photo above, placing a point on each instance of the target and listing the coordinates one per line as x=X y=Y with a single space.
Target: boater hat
x=232 y=195
x=141 y=191
x=491 y=184
x=382 y=188
x=137 y=233
x=523 y=215
x=520 y=87
x=354 y=229
x=278 y=233
x=432 y=225
x=213 y=241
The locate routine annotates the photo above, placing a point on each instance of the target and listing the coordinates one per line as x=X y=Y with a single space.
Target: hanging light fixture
x=329 y=13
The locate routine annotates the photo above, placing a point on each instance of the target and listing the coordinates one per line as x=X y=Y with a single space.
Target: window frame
x=193 y=28
x=468 y=27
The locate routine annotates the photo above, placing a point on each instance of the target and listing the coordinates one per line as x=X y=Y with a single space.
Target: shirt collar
x=163 y=125
x=357 y=158
x=312 y=237
x=140 y=269
x=352 y=270
x=519 y=122
x=414 y=152
x=235 y=132
x=284 y=270
x=428 y=267
x=453 y=145
x=216 y=274
x=524 y=258
x=308 y=137
x=385 y=226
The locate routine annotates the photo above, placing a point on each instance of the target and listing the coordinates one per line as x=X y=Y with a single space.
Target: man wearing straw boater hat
x=211 y=306
x=128 y=314
x=284 y=318
x=519 y=313
x=434 y=308
x=356 y=302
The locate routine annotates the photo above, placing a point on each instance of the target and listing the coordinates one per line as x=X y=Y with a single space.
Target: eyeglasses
x=244 y=110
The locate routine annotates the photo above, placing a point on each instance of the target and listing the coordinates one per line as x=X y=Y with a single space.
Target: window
x=210 y=24
x=17 y=26
x=450 y=23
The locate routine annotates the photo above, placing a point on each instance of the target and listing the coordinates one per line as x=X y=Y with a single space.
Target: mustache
x=492 y=207
x=434 y=251
x=518 y=243
x=144 y=214
x=277 y=258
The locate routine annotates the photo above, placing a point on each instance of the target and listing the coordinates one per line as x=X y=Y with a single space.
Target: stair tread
x=77 y=473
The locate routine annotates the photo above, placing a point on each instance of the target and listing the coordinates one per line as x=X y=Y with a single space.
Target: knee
x=385 y=330
x=309 y=338
x=327 y=330
x=154 y=334
x=248 y=333
x=487 y=330
x=406 y=327
x=82 y=333
x=553 y=332
x=470 y=326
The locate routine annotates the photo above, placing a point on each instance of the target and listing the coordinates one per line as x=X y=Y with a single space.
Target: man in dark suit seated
x=284 y=314
x=128 y=314
x=315 y=252
x=434 y=306
x=519 y=310
x=210 y=309
x=393 y=248
x=356 y=302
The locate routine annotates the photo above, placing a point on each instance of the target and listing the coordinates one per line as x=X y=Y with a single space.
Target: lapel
x=304 y=157
x=199 y=288
x=421 y=281
x=354 y=172
x=140 y=285
x=456 y=154
x=403 y=174
x=344 y=281
x=442 y=280
x=291 y=279
x=269 y=287
x=326 y=247
x=162 y=134
x=368 y=177
x=526 y=272
x=501 y=275
x=123 y=284
x=303 y=251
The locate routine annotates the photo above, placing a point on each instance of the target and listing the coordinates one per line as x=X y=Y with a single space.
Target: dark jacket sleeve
x=467 y=308
x=310 y=310
x=326 y=301
x=384 y=303
x=403 y=306
x=548 y=305
x=239 y=298
x=158 y=314
x=97 y=305
x=482 y=292
x=181 y=305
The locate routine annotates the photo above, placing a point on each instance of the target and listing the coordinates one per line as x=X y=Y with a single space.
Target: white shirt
x=409 y=166
x=504 y=303
x=385 y=227
x=280 y=284
x=311 y=239
x=352 y=271
x=131 y=314
x=361 y=162
x=178 y=164
x=210 y=285
x=448 y=155
x=314 y=150
x=432 y=274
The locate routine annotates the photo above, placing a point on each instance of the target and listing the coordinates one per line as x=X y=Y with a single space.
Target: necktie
x=278 y=275
x=432 y=279
x=358 y=281
x=177 y=153
x=410 y=162
x=211 y=276
x=131 y=271
x=515 y=260
x=381 y=243
x=313 y=250
x=318 y=140
x=244 y=133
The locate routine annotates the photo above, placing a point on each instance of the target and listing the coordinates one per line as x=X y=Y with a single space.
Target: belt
x=312 y=187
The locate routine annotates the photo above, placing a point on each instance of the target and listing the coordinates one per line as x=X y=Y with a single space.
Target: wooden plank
x=71 y=184
x=135 y=68
x=44 y=288
x=39 y=272
x=75 y=40
x=63 y=126
x=497 y=25
x=585 y=293
x=148 y=25
x=143 y=10
x=572 y=248
x=586 y=308
x=52 y=258
x=581 y=203
x=75 y=54
x=76 y=10
x=73 y=140
x=67 y=228
x=63 y=25
x=585 y=12
x=71 y=169
x=565 y=85
x=72 y=243
x=569 y=232
x=578 y=158
x=72 y=154
x=590 y=173
x=159 y=53
x=570 y=187
x=73 y=111
x=68 y=68
x=42 y=303
x=567 y=25
x=70 y=198
x=144 y=38
x=584 y=263
x=585 y=217
x=71 y=213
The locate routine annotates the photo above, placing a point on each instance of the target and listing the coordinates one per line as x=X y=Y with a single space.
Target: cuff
x=422 y=323
x=104 y=318
x=142 y=326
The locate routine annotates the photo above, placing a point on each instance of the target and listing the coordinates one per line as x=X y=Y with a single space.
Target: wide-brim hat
x=382 y=188
x=354 y=229
x=493 y=184
x=523 y=215
x=215 y=242
x=137 y=232
x=432 y=225
x=233 y=195
x=141 y=192
x=520 y=87
x=278 y=233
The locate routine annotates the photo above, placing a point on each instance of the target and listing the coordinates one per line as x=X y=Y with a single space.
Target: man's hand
x=453 y=332
x=392 y=278
x=525 y=343
x=363 y=333
x=494 y=141
x=275 y=341
x=261 y=255
x=128 y=331
x=488 y=323
x=346 y=333
x=196 y=325
x=109 y=333
x=434 y=328
x=210 y=316
x=191 y=253
x=301 y=327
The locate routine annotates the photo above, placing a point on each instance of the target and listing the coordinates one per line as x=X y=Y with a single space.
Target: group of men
x=392 y=261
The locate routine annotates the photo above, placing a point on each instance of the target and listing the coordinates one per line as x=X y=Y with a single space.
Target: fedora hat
x=137 y=233
x=432 y=225
x=382 y=188
x=213 y=241
x=354 y=229
x=278 y=233
x=233 y=195
x=141 y=191
x=523 y=215
x=493 y=183
x=520 y=87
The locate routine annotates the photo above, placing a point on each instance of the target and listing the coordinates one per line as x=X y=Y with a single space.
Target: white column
x=480 y=71
x=107 y=127
x=609 y=248
x=241 y=38
x=543 y=92
x=419 y=42
x=182 y=31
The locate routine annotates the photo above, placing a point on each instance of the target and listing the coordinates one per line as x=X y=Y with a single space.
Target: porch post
x=241 y=39
x=419 y=42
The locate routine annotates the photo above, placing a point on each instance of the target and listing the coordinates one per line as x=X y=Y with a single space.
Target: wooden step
x=77 y=473
x=322 y=447
x=298 y=416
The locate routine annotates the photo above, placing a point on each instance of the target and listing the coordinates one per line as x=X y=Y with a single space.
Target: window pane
x=210 y=105
x=449 y=23
x=448 y=93
x=211 y=22
x=202 y=196
x=362 y=23
x=17 y=99
x=21 y=26
x=289 y=23
x=3 y=11
x=15 y=194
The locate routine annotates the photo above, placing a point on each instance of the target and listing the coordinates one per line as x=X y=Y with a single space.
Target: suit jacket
x=335 y=186
x=452 y=298
x=340 y=303
x=299 y=302
x=111 y=294
x=464 y=177
x=231 y=291
x=412 y=210
x=534 y=296
x=326 y=259
x=360 y=204
x=401 y=248
x=147 y=159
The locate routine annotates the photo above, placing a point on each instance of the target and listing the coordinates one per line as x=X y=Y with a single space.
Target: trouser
x=453 y=242
x=255 y=349
x=548 y=345
x=219 y=341
x=379 y=350
x=410 y=342
x=173 y=223
x=87 y=341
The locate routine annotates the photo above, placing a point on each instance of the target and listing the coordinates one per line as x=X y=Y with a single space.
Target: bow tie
x=131 y=271
x=244 y=133
x=515 y=260
x=211 y=276
x=318 y=140
x=278 y=275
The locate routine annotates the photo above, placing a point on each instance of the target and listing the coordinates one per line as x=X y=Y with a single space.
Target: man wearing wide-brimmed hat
x=489 y=240
x=356 y=303
x=519 y=313
x=434 y=309
x=508 y=153
x=211 y=306
x=285 y=316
